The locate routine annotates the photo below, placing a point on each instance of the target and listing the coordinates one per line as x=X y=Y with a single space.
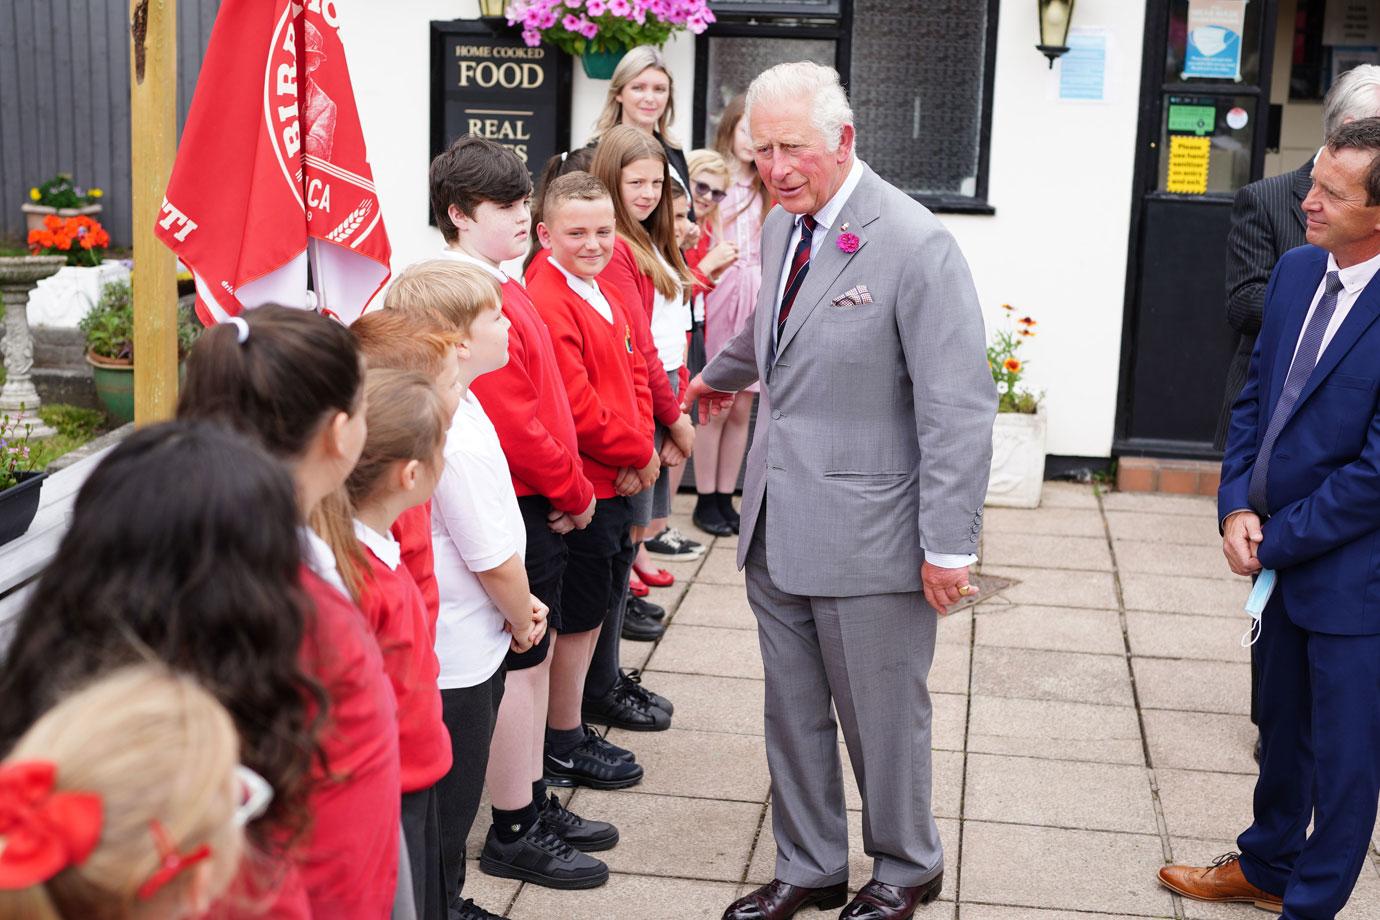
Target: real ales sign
x=485 y=81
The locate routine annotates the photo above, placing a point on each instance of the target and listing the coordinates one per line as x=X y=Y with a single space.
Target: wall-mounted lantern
x=491 y=8
x=1054 y=27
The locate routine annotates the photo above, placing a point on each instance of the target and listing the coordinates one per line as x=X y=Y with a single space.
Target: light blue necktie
x=1299 y=372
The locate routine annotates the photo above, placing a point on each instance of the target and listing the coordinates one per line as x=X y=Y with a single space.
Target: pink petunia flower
x=596 y=7
x=531 y=37
x=571 y=22
x=590 y=29
x=620 y=8
x=547 y=19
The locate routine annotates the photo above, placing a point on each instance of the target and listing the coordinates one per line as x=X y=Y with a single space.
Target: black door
x=1203 y=111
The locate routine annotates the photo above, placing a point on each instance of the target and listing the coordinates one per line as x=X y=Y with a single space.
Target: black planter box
x=19 y=504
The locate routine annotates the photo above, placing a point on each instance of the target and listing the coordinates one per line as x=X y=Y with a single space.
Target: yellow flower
x=34 y=193
x=1013 y=365
x=95 y=193
x=1008 y=308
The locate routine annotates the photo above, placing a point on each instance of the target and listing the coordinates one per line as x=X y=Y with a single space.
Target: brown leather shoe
x=779 y=901
x=1221 y=881
x=878 y=901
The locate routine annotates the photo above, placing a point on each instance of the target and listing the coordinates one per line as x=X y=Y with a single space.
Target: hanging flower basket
x=600 y=65
x=600 y=32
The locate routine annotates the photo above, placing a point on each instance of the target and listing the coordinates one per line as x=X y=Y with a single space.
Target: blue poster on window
x=1213 y=46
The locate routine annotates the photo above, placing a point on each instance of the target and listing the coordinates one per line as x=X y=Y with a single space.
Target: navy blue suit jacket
x=1323 y=491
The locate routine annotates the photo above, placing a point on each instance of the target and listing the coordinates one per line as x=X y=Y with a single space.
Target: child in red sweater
x=398 y=470
x=606 y=379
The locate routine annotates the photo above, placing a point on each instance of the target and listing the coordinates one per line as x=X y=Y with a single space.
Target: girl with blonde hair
x=642 y=95
x=125 y=801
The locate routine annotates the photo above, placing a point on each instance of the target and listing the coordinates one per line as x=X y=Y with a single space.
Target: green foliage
x=109 y=327
x=60 y=192
x=1007 y=367
x=75 y=426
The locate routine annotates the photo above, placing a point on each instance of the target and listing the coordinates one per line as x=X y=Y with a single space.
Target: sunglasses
x=703 y=190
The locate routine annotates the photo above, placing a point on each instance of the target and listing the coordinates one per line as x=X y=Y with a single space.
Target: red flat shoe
x=657 y=578
x=636 y=588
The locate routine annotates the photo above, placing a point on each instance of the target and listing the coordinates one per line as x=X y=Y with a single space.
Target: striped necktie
x=800 y=265
x=1310 y=344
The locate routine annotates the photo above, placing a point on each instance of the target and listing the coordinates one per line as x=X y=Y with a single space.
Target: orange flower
x=1008 y=308
x=88 y=241
x=52 y=222
x=1013 y=365
x=1027 y=322
x=1025 y=334
x=62 y=241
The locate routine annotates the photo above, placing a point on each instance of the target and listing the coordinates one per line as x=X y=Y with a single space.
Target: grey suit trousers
x=868 y=657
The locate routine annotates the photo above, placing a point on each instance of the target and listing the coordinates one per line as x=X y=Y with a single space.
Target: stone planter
x=19 y=399
x=34 y=213
x=61 y=300
x=1018 y=460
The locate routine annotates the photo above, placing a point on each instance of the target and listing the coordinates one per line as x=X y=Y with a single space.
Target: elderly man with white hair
x=863 y=498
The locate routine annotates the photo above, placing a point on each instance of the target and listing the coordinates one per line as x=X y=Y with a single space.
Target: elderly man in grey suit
x=863 y=499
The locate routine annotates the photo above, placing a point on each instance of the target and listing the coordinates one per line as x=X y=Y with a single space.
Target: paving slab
x=956 y=628
x=1163 y=528
x=1177 y=635
x=1069 y=522
x=950 y=721
x=1184 y=594
x=674 y=837
x=999 y=912
x=711 y=704
x=1086 y=796
x=1057 y=588
x=692 y=764
x=629 y=897
x=1041 y=675
x=1034 y=550
x=1204 y=805
x=634 y=655
x=720 y=567
x=1173 y=559
x=1159 y=503
x=1024 y=865
x=1056 y=730
x=1200 y=741
x=1194 y=686
x=949 y=670
x=707 y=650
x=1068 y=495
x=1063 y=629
x=722 y=606
x=493 y=894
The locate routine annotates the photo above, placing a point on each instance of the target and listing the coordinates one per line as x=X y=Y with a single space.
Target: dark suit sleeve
x=1252 y=252
x=1243 y=435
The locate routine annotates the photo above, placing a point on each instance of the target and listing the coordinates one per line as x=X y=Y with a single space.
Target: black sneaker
x=468 y=910
x=640 y=623
x=584 y=835
x=672 y=546
x=709 y=518
x=541 y=857
x=594 y=737
x=634 y=677
x=626 y=706
x=587 y=765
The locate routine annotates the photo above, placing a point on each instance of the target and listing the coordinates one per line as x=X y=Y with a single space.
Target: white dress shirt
x=1354 y=281
x=386 y=549
x=588 y=290
x=460 y=256
x=825 y=218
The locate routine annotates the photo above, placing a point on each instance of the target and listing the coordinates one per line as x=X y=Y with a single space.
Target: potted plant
x=59 y=196
x=600 y=32
x=20 y=483
x=109 y=331
x=81 y=239
x=1018 y=434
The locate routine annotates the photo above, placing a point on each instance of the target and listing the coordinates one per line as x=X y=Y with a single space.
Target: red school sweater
x=527 y=403
x=605 y=376
x=397 y=613
x=349 y=864
x=412 y=530
x=636 y=289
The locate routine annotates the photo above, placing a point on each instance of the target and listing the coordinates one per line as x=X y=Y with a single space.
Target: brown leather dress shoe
x=779 y=901
x=879 y=901
x=1221 y=881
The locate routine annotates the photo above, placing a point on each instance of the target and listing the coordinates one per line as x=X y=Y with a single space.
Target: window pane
x=1221 y=51
x=734 y=62
x=916 y=90
x=1205 y=144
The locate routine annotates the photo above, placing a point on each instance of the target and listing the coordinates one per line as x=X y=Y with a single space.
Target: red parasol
x=272 y=172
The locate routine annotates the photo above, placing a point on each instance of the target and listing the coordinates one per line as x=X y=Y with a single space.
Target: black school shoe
x=626 y=706
x=583 y=834
x=634 y=677
x=588 y=765
x=640 y=621
x=542 y=857
x=468 y=910
x=710 y=518
x=600 y=743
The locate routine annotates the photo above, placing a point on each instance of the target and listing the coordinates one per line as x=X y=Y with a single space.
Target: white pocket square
x=854 y=297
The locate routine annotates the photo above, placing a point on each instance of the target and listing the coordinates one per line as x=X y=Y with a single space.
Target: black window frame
x=840 y=30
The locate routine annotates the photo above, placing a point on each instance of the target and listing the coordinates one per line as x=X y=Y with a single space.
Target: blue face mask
x=1255 y=605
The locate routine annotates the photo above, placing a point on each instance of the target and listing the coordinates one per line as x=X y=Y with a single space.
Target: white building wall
x=1060 y=180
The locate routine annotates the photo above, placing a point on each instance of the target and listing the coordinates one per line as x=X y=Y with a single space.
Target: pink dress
x=728 y=307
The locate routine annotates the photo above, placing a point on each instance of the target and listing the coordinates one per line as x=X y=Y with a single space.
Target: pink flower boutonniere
x=849 y=242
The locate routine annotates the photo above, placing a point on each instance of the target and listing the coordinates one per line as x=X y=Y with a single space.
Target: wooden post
x=153 y=143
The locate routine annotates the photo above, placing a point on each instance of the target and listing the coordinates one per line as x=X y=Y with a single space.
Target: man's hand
x=582 y=519
x=650 y=472
x=942 y=586
x=560 y=522
x=627 y=483
x=709 y=400
x=1241 y=535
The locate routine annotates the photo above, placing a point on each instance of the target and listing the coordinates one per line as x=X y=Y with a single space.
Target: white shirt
x=588 y=290
x=825 y=218
x=1354 y=281
x=670 y=321
x=382 y=545
x=499 y=274
x=476 y=526
x=320 y=558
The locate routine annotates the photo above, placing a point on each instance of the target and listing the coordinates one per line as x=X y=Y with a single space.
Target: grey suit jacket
x=874 y=433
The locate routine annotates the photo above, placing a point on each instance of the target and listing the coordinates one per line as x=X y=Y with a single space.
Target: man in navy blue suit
x=1300 y=495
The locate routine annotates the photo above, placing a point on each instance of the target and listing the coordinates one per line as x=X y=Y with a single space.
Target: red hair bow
x=42 y=832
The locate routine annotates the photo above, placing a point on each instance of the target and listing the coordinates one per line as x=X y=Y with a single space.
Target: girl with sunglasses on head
x=125 y=801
